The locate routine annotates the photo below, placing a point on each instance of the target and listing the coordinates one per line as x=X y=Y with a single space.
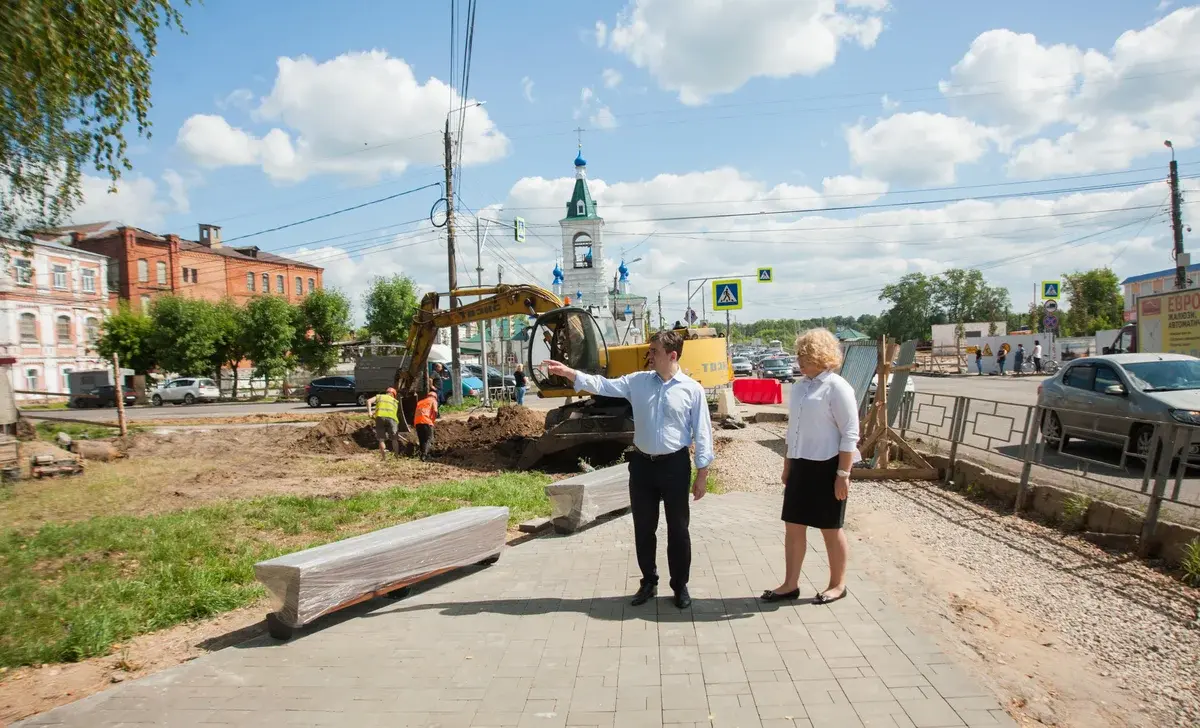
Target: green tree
x=73 y=77
x=269 y=331
x=322 y=320
x=911 y=310
x=231 y=342
x=184 y=334
x=1094 y=300
x=390 y=306
x=126 y=333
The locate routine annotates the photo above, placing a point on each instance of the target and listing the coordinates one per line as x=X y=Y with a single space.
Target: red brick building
x=144 y=265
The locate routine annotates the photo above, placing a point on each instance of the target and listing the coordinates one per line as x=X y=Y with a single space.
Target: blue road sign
x=1050 y=289
x=727 y=295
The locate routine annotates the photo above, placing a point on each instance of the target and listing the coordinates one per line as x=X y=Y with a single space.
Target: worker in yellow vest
x=385 y=408
x=426 y=415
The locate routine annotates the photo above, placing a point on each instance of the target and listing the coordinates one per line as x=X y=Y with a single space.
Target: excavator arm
x=501 y=300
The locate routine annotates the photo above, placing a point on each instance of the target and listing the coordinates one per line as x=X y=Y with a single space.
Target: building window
x=31 y=380
x=62 y=329
x=312 y=285
x=143 y=271
x=579 y=208
x=582 y=245
x=66 y=375
x=23 y=272
x=145 y=304
x=195 y=276
x=299 y=289
x=60 y=277
x=160 y=270
x=266 y=282
x=28 y=328
x=279 y=284
x=187 y=275
x=93 y=329
x=89 y=280
x=250 y=281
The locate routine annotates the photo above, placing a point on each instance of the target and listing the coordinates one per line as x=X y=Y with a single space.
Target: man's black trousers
x=425 y=439
x=666 y=478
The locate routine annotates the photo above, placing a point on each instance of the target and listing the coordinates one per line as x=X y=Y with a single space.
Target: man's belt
x=653 y=458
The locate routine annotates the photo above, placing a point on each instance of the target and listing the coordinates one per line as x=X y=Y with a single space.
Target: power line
x=331 y=214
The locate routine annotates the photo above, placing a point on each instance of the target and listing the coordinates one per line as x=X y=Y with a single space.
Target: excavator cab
x=569 y=335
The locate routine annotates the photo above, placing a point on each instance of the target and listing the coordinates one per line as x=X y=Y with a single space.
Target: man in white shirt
x=670 y=413
x=1037 y=357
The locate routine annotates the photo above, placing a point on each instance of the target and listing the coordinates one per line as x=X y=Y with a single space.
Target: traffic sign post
x=727 y=295
x=1051 y=306
x=1051 y=289
x=1050 y=322
x=519 y=229
x=766 y=275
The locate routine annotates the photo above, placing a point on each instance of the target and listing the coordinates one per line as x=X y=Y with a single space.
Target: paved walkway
x=546 y=638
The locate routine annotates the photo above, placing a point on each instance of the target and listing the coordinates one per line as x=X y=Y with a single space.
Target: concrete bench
x=312 y=583
x=581 y=499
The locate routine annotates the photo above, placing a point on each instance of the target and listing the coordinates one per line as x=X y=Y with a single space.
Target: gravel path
x=1074 y=635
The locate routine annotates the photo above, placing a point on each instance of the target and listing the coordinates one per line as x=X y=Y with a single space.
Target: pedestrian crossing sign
x=765 y=275
x=727 y=295
x=1050 y=289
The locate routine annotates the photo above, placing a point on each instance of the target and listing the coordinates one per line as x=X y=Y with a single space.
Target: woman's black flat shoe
x=822 y=599
x=771 y=596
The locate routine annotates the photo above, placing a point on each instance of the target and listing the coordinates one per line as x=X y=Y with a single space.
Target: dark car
x=494 y=378
x=102 y=396
x=780 y=369
x=331 y=391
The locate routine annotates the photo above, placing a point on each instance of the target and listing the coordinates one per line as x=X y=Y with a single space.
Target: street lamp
x=661 y=321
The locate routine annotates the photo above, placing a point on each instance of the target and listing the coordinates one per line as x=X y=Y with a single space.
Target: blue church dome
x=623 y=270
x=558 y=273
x=579 y=160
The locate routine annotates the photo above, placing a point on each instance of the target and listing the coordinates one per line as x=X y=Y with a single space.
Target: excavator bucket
x=591 y=429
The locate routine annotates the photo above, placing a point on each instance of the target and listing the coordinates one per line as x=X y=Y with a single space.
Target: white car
x=187 y=391
x=910 y=387
x=742 y=367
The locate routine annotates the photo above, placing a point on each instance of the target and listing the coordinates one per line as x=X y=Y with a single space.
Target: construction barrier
x=758 y=391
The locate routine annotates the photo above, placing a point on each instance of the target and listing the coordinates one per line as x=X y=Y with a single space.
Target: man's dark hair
x=670 y=341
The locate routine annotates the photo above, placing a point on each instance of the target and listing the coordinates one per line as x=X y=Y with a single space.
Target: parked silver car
x=742 y=367
x=187 y=390
x=1118 y=399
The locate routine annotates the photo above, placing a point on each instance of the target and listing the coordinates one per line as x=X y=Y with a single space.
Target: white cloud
x=237 y=99
x=603 y=118
x=612 y=77
x=889 y=104
x=1117 y=106
x=917 y=148
x=700 y=50
x=850 y=190
x=590 y=106
x=601 y=33
x=137 y=201
x=360 y=114
x=527 y=88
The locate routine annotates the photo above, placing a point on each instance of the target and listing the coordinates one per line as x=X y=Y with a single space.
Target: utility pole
x=483 y=325
x=455 y=362
x=1181 y=259
x=661 y=324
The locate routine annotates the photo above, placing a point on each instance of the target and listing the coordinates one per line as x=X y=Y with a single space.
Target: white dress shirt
x=667 y=416
x=822 y=418
x=1037 y=352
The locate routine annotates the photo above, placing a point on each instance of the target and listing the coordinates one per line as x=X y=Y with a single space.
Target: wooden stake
x=120 y=395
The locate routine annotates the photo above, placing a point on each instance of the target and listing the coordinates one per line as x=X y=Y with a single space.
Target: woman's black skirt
x=808 y=497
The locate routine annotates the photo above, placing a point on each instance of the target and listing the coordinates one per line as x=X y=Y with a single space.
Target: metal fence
x=1097 y=451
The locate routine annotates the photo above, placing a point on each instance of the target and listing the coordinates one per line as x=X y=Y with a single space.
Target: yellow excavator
x=569 y=334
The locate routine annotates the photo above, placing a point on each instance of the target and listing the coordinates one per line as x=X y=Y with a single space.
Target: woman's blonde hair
x=819 y=346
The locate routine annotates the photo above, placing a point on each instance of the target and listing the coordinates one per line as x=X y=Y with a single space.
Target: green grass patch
x=72 y=591
x=77 y=431
x=50 y=406
x=467 y=403
x=1191 y=563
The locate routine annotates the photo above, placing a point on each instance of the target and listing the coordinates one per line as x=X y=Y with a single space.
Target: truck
x=1166 y=323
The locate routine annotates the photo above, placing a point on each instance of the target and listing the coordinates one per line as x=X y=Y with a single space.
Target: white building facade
x=1146 y=284
x=53 y=299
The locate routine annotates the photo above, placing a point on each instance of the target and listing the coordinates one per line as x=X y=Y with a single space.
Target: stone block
x=1048 y=501
x=1172 y=539
x=581 y=499
x=1108 y=518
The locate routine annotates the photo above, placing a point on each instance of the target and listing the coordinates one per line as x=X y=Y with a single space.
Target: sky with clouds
x=844 y=143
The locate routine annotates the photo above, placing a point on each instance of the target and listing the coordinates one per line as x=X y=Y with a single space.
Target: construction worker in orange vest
x=427 y=412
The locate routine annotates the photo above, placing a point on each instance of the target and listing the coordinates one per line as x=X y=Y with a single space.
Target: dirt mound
x=338 y=434
x=488 y=442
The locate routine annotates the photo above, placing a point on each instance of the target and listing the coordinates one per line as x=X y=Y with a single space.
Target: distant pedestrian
x=1001 y=355
x=979 y=359
x=385 y=408
x=1037 y=357
x=424 y=419
x=436 y=379
x=1018 y=359
x=519 y=381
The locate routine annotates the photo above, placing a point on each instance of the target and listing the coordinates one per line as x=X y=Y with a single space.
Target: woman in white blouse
x=822 y=445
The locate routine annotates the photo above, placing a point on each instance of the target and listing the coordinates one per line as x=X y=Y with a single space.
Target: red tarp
x=758 y=391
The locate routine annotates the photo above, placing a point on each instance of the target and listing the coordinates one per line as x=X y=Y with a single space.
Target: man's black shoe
x=644 y=594
x=683 y=600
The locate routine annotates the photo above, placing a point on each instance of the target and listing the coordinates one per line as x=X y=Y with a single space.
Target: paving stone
x=546 y=637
